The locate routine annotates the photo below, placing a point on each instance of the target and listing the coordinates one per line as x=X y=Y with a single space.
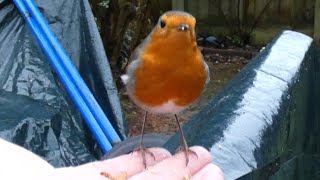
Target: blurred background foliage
x=123 y=24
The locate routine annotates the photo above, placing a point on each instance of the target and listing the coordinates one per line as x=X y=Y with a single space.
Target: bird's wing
x=206 y=67
x=134 y=61
x=207 y=72
x=136 y=53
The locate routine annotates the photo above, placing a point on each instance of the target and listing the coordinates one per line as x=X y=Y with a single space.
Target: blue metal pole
x=84 y=91
x=85 y=111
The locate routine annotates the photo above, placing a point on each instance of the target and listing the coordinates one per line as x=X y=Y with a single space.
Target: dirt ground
x=223 y=67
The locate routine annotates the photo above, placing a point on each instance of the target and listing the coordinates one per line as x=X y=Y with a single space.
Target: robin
x=167 y=72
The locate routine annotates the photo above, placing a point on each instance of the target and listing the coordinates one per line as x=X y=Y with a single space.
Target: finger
x=175 y=166
x=210 y=171
x=130 y=163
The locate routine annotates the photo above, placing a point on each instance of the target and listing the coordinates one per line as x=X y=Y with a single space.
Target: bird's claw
x=143 y=150
x=187 y=151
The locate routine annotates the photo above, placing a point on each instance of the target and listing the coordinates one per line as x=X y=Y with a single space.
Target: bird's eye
x=162 y=23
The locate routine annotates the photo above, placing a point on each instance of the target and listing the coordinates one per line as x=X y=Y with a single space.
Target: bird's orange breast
x=173 y=72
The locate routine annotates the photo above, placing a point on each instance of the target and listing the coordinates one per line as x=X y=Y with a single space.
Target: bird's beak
x=183 y=27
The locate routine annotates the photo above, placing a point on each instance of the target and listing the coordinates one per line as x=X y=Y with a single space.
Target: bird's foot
x=187 y=152
x=143 y=150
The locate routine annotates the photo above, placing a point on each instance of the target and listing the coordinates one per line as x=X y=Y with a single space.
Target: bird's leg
x=184 y=147
x=143 y=150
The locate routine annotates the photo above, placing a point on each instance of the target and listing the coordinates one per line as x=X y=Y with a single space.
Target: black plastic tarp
x=36 y=111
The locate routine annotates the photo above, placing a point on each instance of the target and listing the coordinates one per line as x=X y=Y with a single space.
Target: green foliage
x=235 y=40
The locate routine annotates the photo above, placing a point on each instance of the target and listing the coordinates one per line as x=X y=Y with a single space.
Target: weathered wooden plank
x=178 y=5
x=193 y=7
x=203 y=9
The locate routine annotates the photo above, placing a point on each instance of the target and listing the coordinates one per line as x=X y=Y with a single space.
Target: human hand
x=164 y=166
